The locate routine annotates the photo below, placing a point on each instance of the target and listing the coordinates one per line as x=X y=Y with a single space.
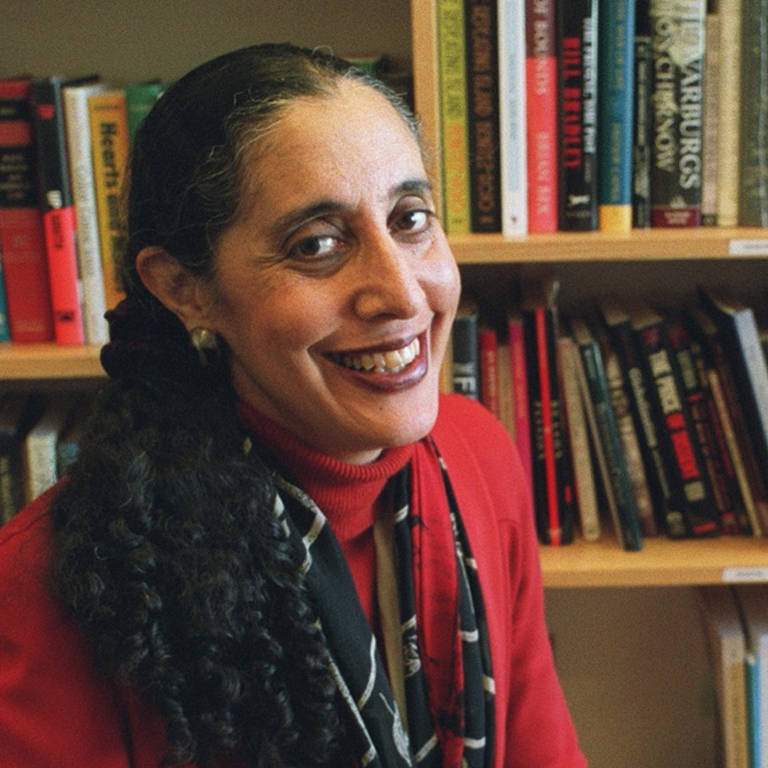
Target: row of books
x=63 y=148
x=38 y=443
x=603 y=114
x=660 y=418
x=736 y=624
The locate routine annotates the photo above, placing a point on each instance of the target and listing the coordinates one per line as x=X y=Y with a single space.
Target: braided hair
x=166 y=551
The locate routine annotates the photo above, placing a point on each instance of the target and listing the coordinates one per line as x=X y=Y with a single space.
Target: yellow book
x=109 y=146
x=453 y=115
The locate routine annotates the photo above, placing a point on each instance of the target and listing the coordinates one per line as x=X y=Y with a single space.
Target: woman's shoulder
x=471 y=423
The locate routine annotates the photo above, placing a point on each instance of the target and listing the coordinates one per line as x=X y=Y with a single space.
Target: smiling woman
x=280 y=545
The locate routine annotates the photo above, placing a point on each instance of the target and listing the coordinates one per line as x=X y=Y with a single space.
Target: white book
x=83 y=191
x=39 y=447
x=512 y=123
x=728 y=655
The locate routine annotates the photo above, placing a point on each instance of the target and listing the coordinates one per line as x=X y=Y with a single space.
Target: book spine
x=552 y=491
x=25 y=268
x=753 y=141
x=483 y=115
x=578 y=439
x=677 y=34
x=88 y=246
x=59 y=222
x=629 y=444
x=465 y=361
x=728 y=113
x=139 y=100
x=627 y=523
x=541 y=114
x=109 y=142
x=512 y=118
x=487 y=344
x=616 y=44
x=642 y=141
x=453 y=115
x=5 y=328
x=577 y=110
x=518 y=362
x=676 y=432
x=696 y=392
x=711 y=117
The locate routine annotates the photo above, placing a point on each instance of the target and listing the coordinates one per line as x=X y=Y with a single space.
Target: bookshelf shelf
x=662 y=562
x=639 y=245
x=49 y=361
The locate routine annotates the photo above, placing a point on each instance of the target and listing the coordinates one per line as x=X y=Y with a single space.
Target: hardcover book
x=519 y=366
x=642 y=141
x=57 y=205
x=711 y=122
x=452 y=64
x=618 y=484
x=552 y=480
x=513 y=150
x=465 y=353
x=676 y=431
x=483 y=115
x=22 y=243
x=541 y=114
x=616 y=44
x=677 y=34
x=577 y=110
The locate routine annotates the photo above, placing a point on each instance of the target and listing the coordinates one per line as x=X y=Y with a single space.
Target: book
x=576 y=429
x=18 y=412
x=22 y=243
x=729 y=109
x=483 y=115
x=139 y=100
x=68 y=443
x=39 y=447
x=709 y=429
x=741 y=340
x=628 y=437
x=617 y=481
x=621 y=337
x=5 y=328
x=727 y=652
x=689 y=480
x=752 y=600
x=550 y=461
x=577 y=111
x=642 y=133
x=541 y=114
x=732 y=415
x=519 y=365
x=753 y=116
x=488 y=363
x=109 y=147
x=677 y=35
x=513 y=151
x=452 y=63
x=78 y=132
x=57 y=205
x=616 y=41
x=465 y=361
x=506 y=397
x=710 y=132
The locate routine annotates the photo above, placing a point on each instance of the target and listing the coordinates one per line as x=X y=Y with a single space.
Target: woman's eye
x=414 y=221
x=315 y=247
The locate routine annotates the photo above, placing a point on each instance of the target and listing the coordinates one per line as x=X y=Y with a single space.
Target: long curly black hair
x=166 y=550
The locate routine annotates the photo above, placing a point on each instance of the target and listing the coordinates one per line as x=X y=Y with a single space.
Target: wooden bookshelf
x=21 y=362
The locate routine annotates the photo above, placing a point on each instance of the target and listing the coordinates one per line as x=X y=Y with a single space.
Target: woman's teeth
x=381 y=362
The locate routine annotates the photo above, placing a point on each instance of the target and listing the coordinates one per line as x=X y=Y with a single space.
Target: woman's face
x=335 y=289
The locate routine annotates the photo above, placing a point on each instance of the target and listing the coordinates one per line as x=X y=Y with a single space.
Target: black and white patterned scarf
x=378 y=735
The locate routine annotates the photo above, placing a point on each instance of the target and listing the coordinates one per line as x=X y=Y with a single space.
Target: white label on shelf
x=741 y=575
x=748 y=247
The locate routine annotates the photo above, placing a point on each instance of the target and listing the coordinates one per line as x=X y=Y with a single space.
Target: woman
x=279 y=545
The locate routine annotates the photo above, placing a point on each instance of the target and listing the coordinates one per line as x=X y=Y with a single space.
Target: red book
x=25 y=267
x=487 y=344
x=520 y=392
x=58 y=210
x=542 y=114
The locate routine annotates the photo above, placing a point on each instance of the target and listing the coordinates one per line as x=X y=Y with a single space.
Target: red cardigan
x=56 y=712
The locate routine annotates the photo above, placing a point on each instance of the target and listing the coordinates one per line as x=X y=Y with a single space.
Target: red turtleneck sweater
x=55 y=709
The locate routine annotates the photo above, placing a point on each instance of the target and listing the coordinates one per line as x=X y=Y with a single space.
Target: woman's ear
x=172 y=285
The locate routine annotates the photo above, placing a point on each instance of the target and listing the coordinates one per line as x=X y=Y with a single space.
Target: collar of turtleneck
x=346 y=493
